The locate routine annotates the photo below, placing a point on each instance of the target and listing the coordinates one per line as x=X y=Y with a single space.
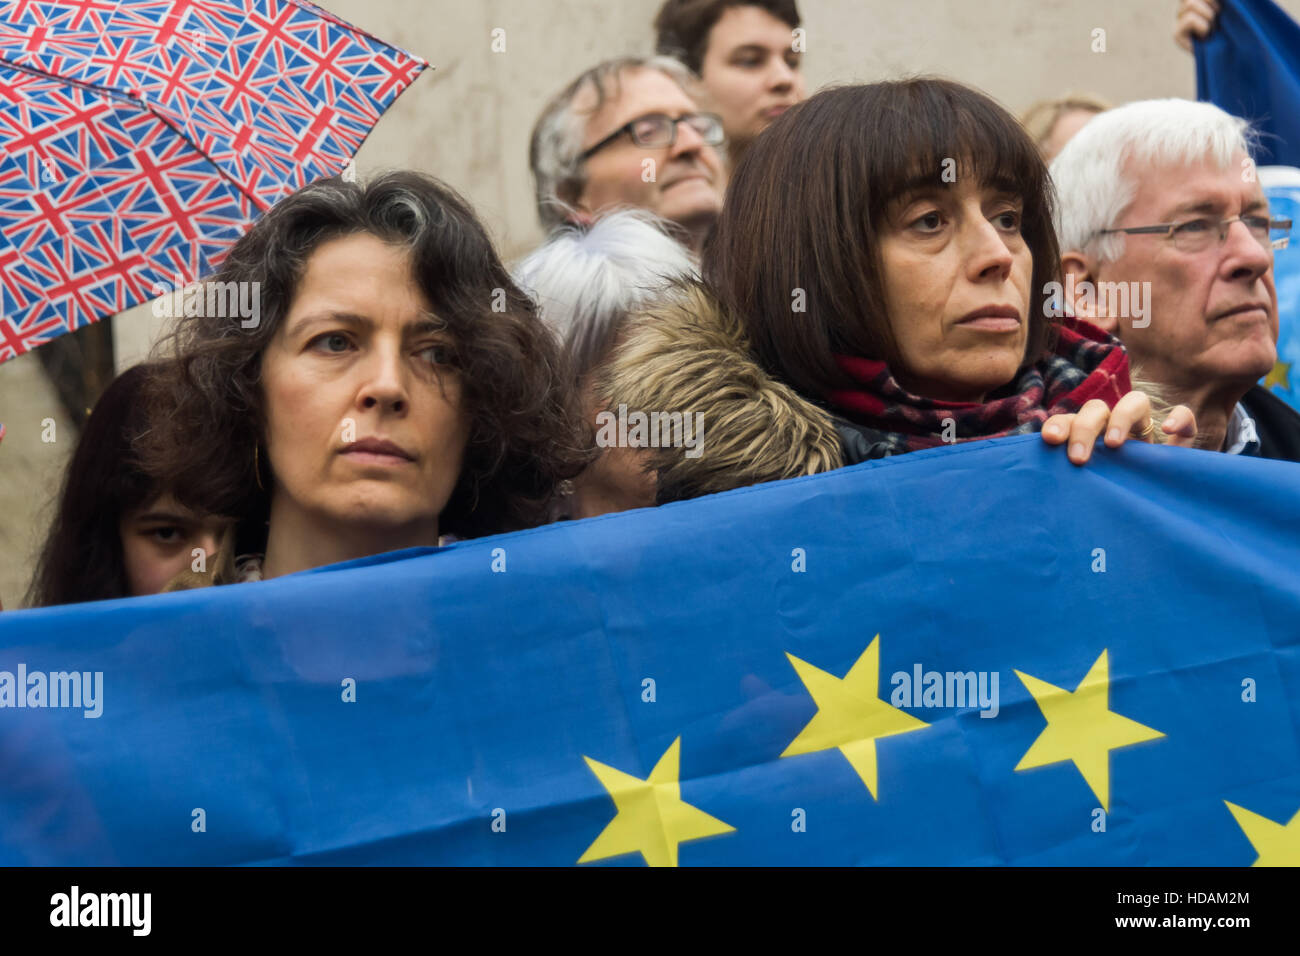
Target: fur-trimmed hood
x=687 y=356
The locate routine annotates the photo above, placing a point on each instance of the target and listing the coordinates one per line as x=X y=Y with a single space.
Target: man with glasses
x=1160 y=197
x=628 y=133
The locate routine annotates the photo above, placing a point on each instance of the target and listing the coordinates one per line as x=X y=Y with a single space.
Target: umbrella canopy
x=140 y=138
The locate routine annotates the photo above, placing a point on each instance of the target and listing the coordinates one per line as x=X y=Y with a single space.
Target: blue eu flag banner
x=1249 y=65
x=973 y=655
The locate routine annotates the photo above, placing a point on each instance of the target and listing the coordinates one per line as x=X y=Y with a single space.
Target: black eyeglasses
x=1197 y=235
x=657 y=129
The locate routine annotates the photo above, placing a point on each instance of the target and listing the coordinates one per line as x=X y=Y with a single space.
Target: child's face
x=161 y=538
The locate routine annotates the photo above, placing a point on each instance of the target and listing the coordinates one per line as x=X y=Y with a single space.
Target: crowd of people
x=789 y=284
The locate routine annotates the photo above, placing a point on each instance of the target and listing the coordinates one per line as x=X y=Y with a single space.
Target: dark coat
x=1276 y=423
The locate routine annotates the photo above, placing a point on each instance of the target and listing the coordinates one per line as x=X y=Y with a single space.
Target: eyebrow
x=426 y=326
x=924 y=185
x=1212 y=207
x=422 y=326
x=155 y=516
x=919 y=187
x=1004 y=187
x=315 y=318
x=671 y=114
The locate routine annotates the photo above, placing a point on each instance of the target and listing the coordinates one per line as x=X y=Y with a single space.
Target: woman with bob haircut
x=886 y=251
x=394 y=386
x=118 y=532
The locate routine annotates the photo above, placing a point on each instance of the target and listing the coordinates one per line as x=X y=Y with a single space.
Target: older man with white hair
x=630 y=133
x=1167 y=242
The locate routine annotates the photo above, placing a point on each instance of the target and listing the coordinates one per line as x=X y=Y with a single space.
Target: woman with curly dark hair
x=392 y=384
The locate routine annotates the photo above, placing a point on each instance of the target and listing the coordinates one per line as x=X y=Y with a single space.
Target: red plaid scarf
x=1086 y=363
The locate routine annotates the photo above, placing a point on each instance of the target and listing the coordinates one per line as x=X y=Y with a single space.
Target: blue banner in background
x=971 y=655
x=1249 y=66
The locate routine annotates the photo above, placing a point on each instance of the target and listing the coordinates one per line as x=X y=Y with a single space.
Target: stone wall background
x=467 y=120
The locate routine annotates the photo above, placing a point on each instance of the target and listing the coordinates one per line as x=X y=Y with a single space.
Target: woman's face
x=957 y=276
x=750 y=70
x=618 y=480
x=1063 y=130
x=364 y=424
x=158 y=542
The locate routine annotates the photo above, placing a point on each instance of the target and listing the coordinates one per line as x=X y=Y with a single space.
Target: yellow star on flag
x=652 y=817
x=1082 y=728
x=1279 y=376
x=850 y=716
x=1277 y=845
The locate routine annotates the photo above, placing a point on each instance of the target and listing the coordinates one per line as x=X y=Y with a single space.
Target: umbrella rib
x=89 y=87
x=258 y=204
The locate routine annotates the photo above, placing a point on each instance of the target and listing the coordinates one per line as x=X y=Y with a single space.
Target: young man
x=747 y=53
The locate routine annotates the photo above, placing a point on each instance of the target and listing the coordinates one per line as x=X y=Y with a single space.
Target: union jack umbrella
x=140 y=138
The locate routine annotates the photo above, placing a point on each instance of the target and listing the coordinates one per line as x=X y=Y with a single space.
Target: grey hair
x=586 y=281
x=556 y=144
x=1092 y=189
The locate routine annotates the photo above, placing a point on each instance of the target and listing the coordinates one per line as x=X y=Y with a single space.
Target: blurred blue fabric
x=1249 y=66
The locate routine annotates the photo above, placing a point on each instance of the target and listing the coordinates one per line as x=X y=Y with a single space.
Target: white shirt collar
x=1241 y=431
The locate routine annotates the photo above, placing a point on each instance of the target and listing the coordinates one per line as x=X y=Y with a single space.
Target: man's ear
x=570 y=193
x=1080 y=273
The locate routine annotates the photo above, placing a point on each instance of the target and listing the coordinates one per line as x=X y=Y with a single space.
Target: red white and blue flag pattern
x=139 y=139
